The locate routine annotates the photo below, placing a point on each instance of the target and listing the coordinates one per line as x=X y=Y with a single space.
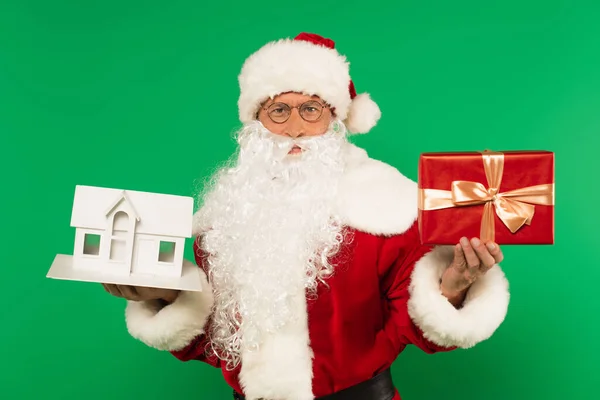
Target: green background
x=142 y=95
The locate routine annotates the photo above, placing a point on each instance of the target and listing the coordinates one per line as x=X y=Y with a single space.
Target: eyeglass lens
x=309 y=111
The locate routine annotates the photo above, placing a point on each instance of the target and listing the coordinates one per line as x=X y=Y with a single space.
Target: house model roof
x=160 y=214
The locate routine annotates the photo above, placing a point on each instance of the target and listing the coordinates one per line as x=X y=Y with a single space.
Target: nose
x=294 y=126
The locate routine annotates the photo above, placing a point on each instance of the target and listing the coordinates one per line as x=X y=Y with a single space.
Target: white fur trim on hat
x=294 y=66
x=363 y=114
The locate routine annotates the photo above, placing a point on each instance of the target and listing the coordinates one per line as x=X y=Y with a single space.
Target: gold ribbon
x=515 y=208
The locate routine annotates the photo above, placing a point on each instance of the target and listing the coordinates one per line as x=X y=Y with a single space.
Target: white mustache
x=257 y=139
x=285 y=144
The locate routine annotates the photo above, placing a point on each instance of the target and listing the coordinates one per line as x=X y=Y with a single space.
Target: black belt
x=379 y=387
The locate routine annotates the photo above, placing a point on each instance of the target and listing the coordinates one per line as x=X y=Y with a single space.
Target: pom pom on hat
x=363 y=114
x=307 y=64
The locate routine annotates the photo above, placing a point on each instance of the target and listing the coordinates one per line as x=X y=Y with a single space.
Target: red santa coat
x=384 y=296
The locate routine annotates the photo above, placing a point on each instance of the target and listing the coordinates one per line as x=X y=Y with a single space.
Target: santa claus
x=315 y=278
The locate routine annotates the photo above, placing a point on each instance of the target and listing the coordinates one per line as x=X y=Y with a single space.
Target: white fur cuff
x=483 y=311
x=174 y=326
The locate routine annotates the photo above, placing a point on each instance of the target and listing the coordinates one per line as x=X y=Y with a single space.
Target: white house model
x=129 y=237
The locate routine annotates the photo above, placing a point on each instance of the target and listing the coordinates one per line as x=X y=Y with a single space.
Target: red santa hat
x=308 y=64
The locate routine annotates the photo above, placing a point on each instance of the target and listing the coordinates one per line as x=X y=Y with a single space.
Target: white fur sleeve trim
x=483 y=311
x=174 y=326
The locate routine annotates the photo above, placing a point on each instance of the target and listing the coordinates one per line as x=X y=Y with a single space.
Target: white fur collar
x=375 y=197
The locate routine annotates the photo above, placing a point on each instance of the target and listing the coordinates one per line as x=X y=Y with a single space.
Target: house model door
x=145 y=256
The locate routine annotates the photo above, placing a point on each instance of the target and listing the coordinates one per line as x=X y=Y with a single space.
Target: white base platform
x=190 y=280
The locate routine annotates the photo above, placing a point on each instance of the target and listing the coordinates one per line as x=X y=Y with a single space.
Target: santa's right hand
x=141 y=293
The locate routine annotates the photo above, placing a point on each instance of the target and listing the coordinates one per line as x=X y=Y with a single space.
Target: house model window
x=166 y=252
x=91 y=244
x=119 y=234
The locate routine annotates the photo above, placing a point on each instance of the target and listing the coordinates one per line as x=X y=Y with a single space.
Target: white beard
x=271 y=227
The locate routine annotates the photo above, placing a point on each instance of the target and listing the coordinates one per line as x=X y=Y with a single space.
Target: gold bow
x=515 y=207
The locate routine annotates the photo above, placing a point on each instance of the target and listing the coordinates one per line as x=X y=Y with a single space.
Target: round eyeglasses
x=310 y=111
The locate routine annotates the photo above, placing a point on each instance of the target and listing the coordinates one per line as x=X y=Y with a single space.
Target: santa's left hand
x=472 y=259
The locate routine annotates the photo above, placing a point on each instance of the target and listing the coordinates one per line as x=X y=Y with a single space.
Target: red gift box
x=506 y=197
